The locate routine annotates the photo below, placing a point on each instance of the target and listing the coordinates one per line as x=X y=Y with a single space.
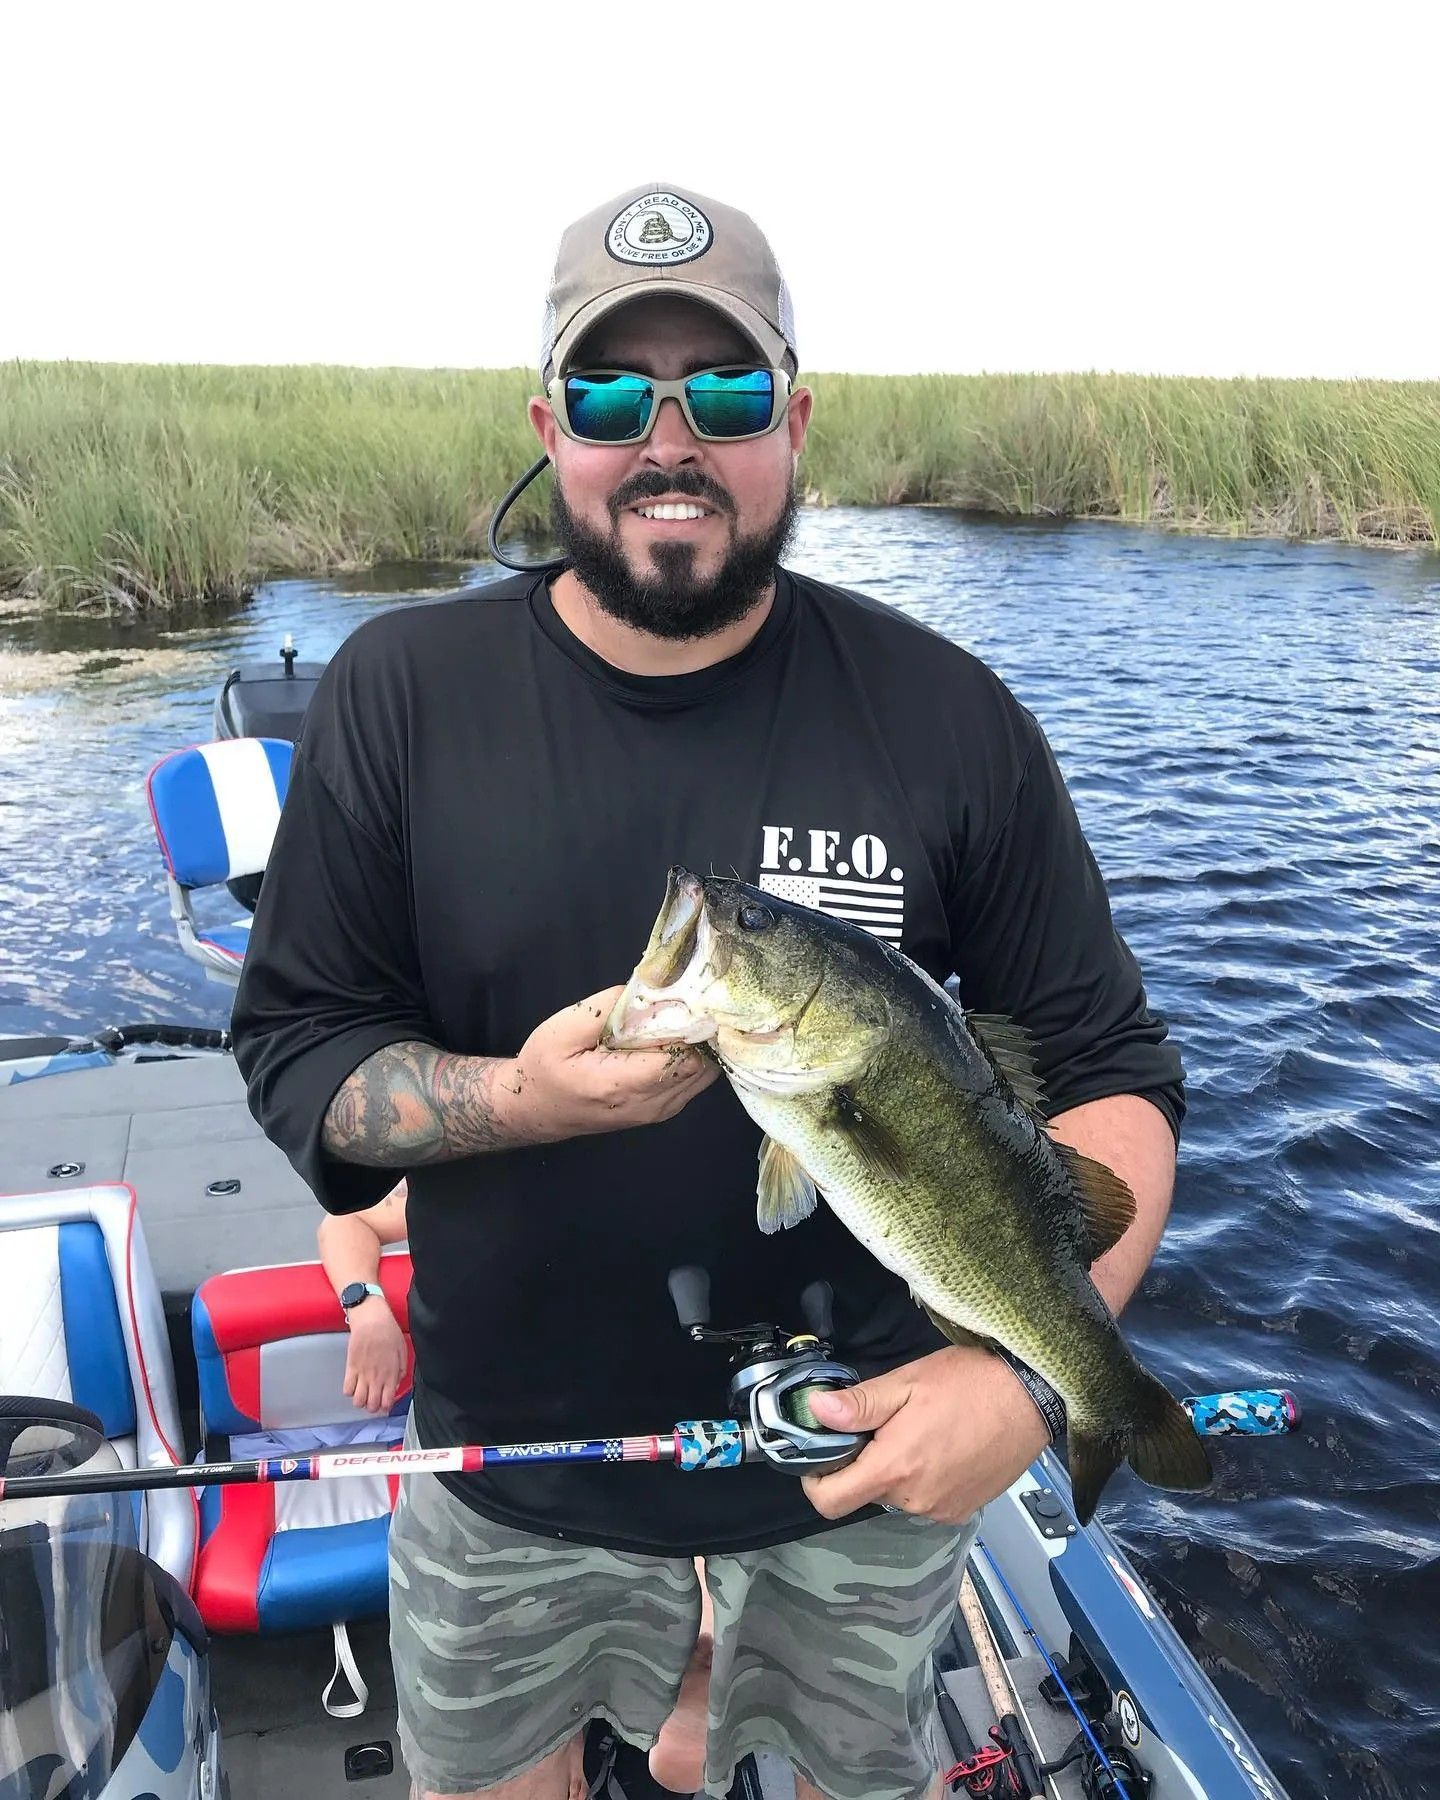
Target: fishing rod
x=770 y=1390
x=1105 y=1767
x=1016 y=1736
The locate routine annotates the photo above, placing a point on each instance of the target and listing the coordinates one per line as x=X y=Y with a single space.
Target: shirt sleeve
x=330 y=976
x=1032 y=938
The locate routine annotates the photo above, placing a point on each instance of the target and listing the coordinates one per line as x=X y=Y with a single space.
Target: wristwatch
x=355 y=1292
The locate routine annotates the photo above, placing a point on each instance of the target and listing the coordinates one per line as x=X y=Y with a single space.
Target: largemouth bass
x=921 y=1127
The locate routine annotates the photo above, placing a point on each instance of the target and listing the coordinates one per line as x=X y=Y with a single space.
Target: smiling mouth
x=672 y=509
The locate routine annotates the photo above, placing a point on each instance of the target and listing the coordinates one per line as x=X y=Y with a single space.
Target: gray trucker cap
x=665 y=240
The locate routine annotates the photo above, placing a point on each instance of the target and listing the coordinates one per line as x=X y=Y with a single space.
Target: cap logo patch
x=658 y=228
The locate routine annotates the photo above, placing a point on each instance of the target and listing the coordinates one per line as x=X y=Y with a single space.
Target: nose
x=671 y=444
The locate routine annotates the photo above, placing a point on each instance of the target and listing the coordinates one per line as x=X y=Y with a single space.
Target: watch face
x=353 y=1294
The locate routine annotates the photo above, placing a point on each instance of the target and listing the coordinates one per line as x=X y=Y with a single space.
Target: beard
x=672 y=601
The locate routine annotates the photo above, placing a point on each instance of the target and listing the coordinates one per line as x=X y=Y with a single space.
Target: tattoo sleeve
x=411 y=1103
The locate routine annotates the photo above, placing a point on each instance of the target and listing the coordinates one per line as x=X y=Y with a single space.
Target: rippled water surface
x=1252 y=735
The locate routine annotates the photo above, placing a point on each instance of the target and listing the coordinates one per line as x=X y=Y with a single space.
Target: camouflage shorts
x=505 y=1644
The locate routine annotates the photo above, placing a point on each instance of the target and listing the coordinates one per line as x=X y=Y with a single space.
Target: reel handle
x=817 y=1308
x=690 y=1293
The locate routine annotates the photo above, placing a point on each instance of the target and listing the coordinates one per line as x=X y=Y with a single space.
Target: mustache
x=650 y=484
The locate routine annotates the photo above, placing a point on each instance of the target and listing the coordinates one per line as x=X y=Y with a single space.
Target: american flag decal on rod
x=878 y=906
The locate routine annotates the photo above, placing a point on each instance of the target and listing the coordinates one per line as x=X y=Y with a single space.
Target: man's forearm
x=410 y=1103
x=1133 y=1138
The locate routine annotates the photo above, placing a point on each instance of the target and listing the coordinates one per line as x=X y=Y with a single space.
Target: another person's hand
x=376 y=1357
x=563 y=1085
x=952 y=1431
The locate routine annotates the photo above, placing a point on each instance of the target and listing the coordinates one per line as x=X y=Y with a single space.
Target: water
x=1252 y=736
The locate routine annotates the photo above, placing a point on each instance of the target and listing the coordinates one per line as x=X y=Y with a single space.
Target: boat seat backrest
x=270 y=1346
x=81 y=1320
x=216 y=806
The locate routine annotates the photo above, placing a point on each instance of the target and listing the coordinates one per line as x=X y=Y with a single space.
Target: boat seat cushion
x=60 y=1332
x=81 y=1320
x=215 y=807
x=229 y=940
x=270 y=1345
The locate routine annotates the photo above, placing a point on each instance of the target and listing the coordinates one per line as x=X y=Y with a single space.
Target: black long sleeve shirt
x=480 y=818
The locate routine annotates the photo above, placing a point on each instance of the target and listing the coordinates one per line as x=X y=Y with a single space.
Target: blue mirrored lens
x=609 y=408
x=731 y=402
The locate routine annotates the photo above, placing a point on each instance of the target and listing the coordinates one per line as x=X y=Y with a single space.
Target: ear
x=798 y=417
x=543 y=420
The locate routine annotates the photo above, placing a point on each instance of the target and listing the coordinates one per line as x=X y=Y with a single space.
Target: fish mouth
x=659 y=1004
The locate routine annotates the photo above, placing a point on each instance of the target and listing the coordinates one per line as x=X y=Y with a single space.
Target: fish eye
x=754 y=917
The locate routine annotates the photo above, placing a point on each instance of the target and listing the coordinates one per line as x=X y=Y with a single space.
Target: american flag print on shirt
x=878 y=906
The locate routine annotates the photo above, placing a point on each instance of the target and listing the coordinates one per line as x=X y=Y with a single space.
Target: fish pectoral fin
x=957 y=1334
x=1011 y=1052
x=786 y=1194
x=1106 y=1202
x=871 y=1139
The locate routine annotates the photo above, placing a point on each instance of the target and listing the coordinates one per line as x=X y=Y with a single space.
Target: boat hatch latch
x=65 y=1171
x=364 y=1762
x=1046 y=1509
x=220 y=1189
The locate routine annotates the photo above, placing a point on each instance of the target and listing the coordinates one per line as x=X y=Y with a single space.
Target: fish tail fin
x=1163 y=1447
x=1158 y=1442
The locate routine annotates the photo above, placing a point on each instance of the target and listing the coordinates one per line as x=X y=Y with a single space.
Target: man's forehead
x=659 y=327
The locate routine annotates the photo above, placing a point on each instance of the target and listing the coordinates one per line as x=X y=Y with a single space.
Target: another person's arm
x=350 y=1246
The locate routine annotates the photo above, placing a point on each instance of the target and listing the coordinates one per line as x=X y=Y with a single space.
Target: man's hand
x=563 y=1085
x=952 y=1431
x=376 y=1357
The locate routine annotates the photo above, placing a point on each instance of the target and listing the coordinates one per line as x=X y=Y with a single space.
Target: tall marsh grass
x=136 y=486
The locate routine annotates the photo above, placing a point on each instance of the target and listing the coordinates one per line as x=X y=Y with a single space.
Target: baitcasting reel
x=775 y=1373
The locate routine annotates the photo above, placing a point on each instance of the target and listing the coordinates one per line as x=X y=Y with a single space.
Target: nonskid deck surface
x=173 y=1129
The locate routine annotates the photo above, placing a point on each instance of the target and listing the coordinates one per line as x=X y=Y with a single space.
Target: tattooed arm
x=410 y=1103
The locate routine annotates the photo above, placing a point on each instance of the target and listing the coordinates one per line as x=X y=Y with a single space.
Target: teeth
x=672 y=510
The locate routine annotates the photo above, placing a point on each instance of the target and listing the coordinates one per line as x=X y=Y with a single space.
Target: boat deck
x=214 y=1194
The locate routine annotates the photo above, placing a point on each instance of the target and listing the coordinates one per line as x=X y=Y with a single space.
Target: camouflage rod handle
x=1244 y=1412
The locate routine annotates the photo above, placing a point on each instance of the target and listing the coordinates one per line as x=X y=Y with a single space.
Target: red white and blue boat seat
x=81 y=1320
x=215 y=808
x=270 y=1344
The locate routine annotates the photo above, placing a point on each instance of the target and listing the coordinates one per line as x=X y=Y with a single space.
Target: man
x=484 y=802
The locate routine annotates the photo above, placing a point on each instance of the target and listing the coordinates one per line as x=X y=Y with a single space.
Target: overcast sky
x=1212 y=189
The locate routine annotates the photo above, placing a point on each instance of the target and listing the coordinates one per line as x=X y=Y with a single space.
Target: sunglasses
x=614 y=406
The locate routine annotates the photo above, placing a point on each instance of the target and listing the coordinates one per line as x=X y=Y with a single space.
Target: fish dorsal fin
x=1011 y=1051
x=786 y=1194
x=873 y=1141
x=1108 y=1205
